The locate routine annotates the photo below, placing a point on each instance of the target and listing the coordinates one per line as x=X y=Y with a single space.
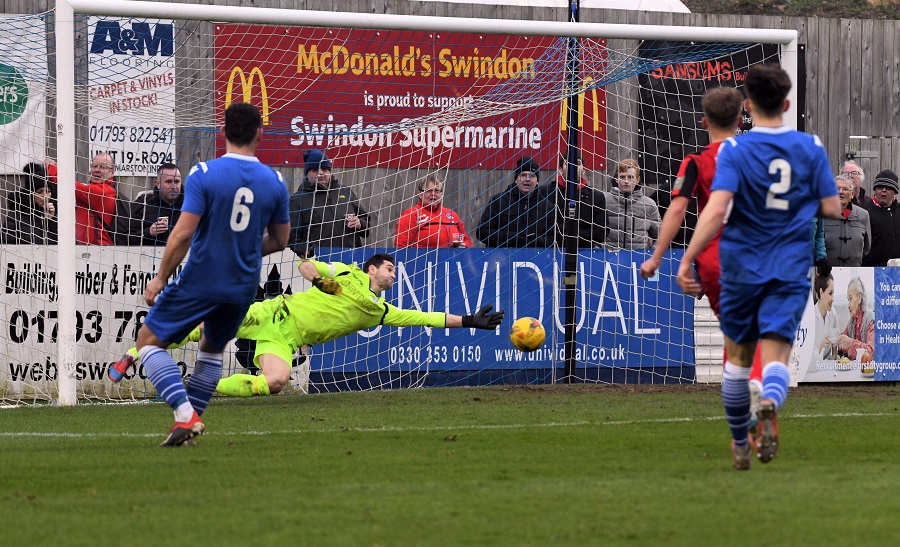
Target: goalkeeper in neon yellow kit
x=345 y=299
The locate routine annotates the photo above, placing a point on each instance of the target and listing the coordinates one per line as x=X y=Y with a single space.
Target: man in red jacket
x=430 y=224
x=95 y=202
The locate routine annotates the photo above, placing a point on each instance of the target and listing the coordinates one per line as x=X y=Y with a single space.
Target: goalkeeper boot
x=183 y=432
x=767 y=434
x=117 y=369
x=755 y=396
x=741 y=454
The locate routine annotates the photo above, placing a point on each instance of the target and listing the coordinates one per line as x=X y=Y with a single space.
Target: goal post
x=492 y=92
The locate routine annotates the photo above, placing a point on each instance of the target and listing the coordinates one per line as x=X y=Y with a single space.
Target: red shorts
x=709 y=271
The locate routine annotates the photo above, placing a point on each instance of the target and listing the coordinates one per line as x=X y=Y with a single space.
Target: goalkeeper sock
x=243 y=385
x=736 y=398
x=133 y=352
x=194 y=336
x=776 y=378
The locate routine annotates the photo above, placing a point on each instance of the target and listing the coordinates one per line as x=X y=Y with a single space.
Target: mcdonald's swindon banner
x=131 y=92
x=321 y=88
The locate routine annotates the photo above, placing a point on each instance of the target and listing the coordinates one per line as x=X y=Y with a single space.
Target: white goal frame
x=65 y=80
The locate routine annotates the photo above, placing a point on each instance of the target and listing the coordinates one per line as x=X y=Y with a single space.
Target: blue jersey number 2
x=781 y=187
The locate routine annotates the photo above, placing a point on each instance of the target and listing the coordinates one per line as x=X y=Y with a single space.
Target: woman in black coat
x=31 y=211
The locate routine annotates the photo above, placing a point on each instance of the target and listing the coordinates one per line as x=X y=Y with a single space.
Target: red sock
x=756 y=369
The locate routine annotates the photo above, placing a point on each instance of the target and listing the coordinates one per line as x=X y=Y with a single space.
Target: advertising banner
x=354 y=93
x=23 y=82
x=131 y=93
x=851 y=333
x=622 y=321
x=625 y=327
x=671 y=108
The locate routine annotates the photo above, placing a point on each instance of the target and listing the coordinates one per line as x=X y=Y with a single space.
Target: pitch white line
x=391 y=429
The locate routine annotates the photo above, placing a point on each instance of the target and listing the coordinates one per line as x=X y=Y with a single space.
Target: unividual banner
x=356 y=94
x=625 y=327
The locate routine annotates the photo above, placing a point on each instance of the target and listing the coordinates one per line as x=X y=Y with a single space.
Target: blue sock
x=202 y=385
x=736 y=398
x=164 y=375
x=776 y=379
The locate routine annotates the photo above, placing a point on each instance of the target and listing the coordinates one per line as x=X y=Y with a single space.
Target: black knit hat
x=314 y=159
x=888 y=179
x=526 y=164
x=35 y=176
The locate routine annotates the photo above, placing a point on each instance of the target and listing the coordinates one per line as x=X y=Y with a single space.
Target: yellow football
x=527 y=334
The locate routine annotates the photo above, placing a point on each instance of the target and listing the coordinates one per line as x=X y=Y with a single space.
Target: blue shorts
x=749 y=311
x=177 y=313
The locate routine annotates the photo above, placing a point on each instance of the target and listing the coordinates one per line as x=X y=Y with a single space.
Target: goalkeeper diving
x=344 y=299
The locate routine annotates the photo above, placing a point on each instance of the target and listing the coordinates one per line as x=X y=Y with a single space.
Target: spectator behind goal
x=324 y=213
x=884 y=218
x=31 y=210
x=428 y=223
x=154 y=212
x=95 y=202
x=519 y=216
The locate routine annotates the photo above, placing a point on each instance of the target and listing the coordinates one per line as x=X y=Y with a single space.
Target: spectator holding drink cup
x=324 y=212
x=155 y=212
x=161 y=226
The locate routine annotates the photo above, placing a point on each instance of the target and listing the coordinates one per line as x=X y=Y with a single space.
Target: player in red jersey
x=721 y=118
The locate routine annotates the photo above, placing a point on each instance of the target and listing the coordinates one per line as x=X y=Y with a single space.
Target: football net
x=394 y=103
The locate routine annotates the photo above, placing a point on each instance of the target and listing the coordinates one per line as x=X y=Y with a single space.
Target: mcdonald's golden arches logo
x=247 y=82
x=581 y=113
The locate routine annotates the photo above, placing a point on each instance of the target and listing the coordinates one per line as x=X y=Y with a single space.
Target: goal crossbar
x=244 y=14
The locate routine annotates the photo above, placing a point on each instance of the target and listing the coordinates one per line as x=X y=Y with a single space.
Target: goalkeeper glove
x=823 y=267
x=483 y=319
x=329 y=286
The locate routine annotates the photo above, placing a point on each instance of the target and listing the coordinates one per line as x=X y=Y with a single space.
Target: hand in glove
x=823 y=267
x=329 y=286
x=483 y=319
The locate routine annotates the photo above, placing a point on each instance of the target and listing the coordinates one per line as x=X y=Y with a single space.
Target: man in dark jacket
x=324 y=213
x=884 y=216
x=590 y=223
x=155 y=212
x=519 y=216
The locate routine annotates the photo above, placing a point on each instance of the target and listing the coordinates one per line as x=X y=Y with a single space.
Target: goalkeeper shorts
x=267 y=324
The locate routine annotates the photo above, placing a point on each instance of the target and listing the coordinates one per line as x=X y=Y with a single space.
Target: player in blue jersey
x=235 y=211
x=774 y=180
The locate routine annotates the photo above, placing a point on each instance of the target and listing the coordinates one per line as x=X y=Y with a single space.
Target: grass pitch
x=556 y=465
